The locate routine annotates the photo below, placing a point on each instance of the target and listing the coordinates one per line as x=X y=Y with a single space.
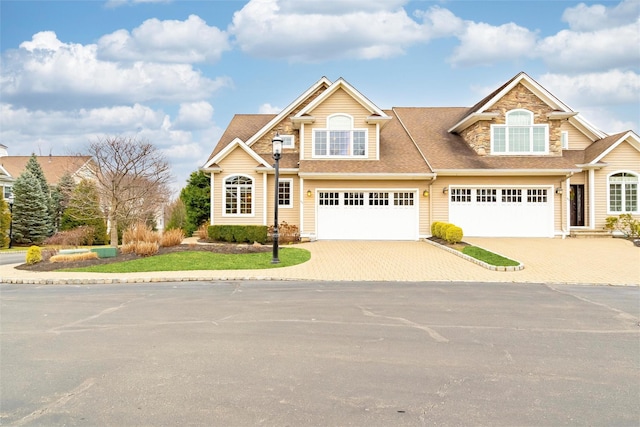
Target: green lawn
x=196 y=260
x=488 y=257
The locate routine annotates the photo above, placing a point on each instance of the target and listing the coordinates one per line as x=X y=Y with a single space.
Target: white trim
x=301 y=206
x=290 y=137
x=564 y=139
x=232 y=146
x=635 y=142
x=224 y=197
x=623 y=211
x=506 y=126
x=291 y=195
x=265 y=198
x=592 y=198
x=288 y=110
x=301 y=141
x=212 y=200
x=351 y=141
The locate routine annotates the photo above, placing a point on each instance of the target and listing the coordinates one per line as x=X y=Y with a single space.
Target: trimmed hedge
x=453 y=234
x=238 y=233
x=449 y=232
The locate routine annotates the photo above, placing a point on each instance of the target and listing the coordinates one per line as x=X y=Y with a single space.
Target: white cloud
x=195 y=115
x=592 y=51
x=440 y=22
x=186 y=41
x=597 y=17
x=484 y=44
x=606 y=88
x=272 y=29
x=47 y=73
x=269 y=109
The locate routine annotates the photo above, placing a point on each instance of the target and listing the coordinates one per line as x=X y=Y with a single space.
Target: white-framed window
x=564 y=135
x=285 y=193
x=461 y=195
x=288 y=141
x=623 y=192
x=7 y=192
x=378 y=199
x=340 y=139
x=486 y=195
x=328 y=198
x=238 y=195
x=537 y=195
x=511 y=195
x=403 y=199
x=519 y=135
x=353 y=199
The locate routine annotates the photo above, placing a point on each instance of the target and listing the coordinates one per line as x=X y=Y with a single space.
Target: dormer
x=340 y=124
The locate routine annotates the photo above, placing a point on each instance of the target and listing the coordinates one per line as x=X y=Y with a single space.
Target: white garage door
x=502 y=212
x=367 y=215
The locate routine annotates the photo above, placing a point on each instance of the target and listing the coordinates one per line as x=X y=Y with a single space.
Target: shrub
x=83 y=235
x=435 y=228
x=443 y=229
x=140 y=232
x=146 y=248
x=238 y=233
x=74 y=257
x=287 y=233
x=34 y=255
x=625 y=224
x=203 y=231
x=453 y=234
x=172 y=237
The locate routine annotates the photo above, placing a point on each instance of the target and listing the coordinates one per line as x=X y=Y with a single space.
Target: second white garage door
x=367 y=215
x=502 y=212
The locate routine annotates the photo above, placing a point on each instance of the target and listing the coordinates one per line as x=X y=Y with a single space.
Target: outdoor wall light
x=308 y=193
x=425 y=193
x=559 y=190
x=445 y=190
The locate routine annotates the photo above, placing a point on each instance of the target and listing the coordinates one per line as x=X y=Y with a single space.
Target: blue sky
x=175 y=72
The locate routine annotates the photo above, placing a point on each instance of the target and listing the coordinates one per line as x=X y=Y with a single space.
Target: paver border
x=518 y=267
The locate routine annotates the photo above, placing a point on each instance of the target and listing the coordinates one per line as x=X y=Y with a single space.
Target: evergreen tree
x=177 y=215
x=30 y=211
x=5 y=223
x=60 y=197
x=36 y=170
x=84 y=209
x=196 y=197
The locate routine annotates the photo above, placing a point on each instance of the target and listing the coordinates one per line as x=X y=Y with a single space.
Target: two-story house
x=518 y=163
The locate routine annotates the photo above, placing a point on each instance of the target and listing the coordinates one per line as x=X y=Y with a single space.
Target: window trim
x=290 y=181
x=329 y=128
x=224 y=196
x=623 y=193
x=286 y=138
x=531 y=127
x=564 y=139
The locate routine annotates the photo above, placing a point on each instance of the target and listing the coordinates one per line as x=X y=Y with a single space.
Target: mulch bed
x=220 y=248
x=443 y=242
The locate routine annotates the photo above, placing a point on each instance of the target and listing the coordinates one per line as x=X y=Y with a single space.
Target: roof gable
x=599 y=149
x=230 y=148
x=53 y=167
x=357 y=96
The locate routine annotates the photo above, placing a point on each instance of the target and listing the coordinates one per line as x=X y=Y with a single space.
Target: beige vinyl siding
x=309 y=208
x=340 y=102
x=238 y=162
x=290 y=215
x=577 y=140
x=623 y=158
x=440 y=200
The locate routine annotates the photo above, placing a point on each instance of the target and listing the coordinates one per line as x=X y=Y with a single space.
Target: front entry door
x=577 y=205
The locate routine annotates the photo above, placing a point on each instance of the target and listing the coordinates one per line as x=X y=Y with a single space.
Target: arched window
x=238 y=195
x=623 y=192
x=339 y=139
x=519 y=135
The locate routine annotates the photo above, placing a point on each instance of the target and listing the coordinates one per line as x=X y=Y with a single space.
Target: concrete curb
x=518 y=267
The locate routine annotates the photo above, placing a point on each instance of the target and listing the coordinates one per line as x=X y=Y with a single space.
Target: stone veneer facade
x=478 y=135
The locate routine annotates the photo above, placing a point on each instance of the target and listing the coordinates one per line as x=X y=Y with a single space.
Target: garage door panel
x=505 y=212
x=380 y=220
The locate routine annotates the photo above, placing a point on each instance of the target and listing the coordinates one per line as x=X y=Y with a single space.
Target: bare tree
x=132 y=177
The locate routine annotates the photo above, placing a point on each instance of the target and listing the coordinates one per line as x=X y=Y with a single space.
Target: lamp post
x=11 y=221
x=276 y=144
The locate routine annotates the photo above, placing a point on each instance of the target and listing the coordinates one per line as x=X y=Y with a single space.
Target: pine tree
x=60 y=197
x=36 y=170
x=84 y=209
x=197 y=200
x=5 y=223
x=30 y=211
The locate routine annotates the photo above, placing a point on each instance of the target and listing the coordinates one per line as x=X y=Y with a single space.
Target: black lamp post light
x=276 y=143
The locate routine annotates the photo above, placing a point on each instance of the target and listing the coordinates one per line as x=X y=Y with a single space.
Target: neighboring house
x=53 y=167
x=518 y=163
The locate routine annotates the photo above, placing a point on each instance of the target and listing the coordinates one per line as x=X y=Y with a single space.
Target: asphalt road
x=291 y=353
x=12 y=258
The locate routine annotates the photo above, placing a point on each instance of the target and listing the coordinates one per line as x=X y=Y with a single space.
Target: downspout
x=301 y=230
x=431 y=201
x=592 y=199
x=264 y=198
x=211 y=199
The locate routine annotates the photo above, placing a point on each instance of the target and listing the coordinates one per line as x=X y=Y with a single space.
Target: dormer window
x=519 y=135
x=340 y=139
